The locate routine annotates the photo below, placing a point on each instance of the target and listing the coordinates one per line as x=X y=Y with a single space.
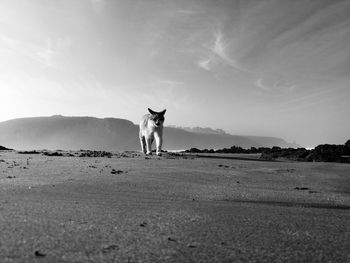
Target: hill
x=206 y=130
x=59 y=132
x=2 y=148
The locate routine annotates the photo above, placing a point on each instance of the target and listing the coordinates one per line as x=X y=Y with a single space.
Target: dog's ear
x=163 y=112
x=151 y=111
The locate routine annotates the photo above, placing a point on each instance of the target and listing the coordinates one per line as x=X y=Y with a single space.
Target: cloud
x=259 y=83
x=217 y=54
x=171 y=82
x=291 y=88
x=274 y=85
x=165 y=83
x=46 y=54
x=52 y=48
x=325 y=97
x=219 y=47
x=205 y=63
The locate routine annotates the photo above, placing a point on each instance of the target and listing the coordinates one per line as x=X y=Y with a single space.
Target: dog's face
x=157 y=117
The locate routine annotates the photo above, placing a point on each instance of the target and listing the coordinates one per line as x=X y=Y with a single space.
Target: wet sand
x=132 y=208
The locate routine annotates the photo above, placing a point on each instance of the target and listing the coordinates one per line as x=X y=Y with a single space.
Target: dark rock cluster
x=321 y=153
x=88 y=153
x=2 y=148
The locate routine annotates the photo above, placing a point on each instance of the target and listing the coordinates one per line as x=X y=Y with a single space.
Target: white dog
x=151 y=127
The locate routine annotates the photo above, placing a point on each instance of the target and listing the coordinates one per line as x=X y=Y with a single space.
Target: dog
x=151 y=127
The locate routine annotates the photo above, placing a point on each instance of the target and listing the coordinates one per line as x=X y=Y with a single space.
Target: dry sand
x=129 y=208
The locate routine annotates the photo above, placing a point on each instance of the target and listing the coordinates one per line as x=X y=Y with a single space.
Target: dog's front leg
x=159 y=142
x=143 y=144
x=149 y=145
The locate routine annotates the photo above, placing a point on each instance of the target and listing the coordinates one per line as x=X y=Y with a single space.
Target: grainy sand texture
x=125 y=207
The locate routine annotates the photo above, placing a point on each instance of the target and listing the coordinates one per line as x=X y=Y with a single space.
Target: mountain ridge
x=72 y=133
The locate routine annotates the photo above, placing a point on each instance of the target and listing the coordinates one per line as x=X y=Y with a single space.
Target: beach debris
x=172 y=239
x=53 y=154
x=114 y=171
x=89 y=153
x=143 y=224
x=301 y=188
x=129 y=154
x=37 y=253
x=192 y=245
x=222 y=165
x=109 y=248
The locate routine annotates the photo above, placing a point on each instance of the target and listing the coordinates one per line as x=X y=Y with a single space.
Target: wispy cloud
x=324 y=96
x=259 y=83
x=219 y=48
x=218 y=54
x=46 y=54
x=274 y=85
x=205 y=63
x=164 y=83
x=291 y=88
x=41 y=52
x=171 y=82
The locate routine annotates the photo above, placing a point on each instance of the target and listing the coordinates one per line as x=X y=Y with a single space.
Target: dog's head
x=157 y=117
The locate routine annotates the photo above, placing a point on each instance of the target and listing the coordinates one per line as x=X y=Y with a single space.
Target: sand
x=132 y=208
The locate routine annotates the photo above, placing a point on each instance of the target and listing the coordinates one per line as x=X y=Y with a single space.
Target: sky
x=264 y=67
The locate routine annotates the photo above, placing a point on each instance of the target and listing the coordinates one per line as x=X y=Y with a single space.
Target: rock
x=37 y=253
x=116 y=171
x=301 y=188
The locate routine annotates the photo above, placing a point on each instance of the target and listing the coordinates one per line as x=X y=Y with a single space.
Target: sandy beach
x=174 y=208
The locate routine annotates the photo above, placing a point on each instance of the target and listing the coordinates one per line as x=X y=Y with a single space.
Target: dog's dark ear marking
x=151 y=111
x=163 y=112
